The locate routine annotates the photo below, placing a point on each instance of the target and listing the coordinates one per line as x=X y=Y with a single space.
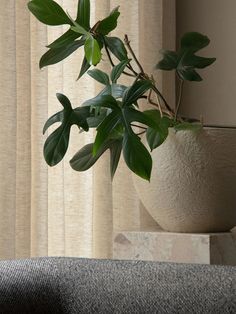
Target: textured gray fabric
x=73 y=285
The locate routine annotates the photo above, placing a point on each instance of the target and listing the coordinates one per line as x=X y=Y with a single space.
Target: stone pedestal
x=207 y=248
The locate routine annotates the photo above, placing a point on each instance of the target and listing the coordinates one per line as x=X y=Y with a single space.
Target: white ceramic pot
x=193 y=183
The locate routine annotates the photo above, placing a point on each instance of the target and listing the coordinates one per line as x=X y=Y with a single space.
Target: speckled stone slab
x=205 y=248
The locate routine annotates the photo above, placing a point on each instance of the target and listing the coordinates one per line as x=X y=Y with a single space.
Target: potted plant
x=122 y=127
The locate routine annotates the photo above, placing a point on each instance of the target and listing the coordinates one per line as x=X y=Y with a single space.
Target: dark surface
x=73 y=285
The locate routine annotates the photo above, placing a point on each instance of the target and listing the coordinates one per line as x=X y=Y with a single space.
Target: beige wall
x=215 y=97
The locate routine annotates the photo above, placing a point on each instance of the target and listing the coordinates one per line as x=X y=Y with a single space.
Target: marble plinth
x=207 y=248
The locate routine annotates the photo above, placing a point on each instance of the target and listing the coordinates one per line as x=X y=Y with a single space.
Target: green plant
x=114 y=112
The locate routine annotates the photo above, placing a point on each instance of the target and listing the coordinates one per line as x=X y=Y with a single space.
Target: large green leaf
x=169 y=62
x=99 y=76
x=84 y=68
x=157 y=135
x=115 y=153
x=105 y=129
x=57 y=143
x=49 y=12
x=109 y=23
x=133 y=93
x=65 y=102
x=94 y=121
x=55 y=55
x=115 y=90
x=57 y=117
x=83 y=14
x=194 y=41
x=116 y=46
x=137 y=156
x=101 y=100
x=84 y=158
x=64 y=40
x=185 y=61
x=132 y=115
x=118 y=70
x=92 y=51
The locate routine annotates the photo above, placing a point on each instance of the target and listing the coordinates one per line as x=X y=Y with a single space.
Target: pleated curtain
x=57 y=211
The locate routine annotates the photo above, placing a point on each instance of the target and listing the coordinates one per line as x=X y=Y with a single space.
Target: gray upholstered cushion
x=71 y=285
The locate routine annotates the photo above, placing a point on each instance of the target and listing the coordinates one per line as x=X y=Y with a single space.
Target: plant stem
x=109 y=56
x=112 y=63
x=158 y=105
x=140 y=133
x=180 y=98
x=94 y=28
x=129 y=66
x=162 y=98
x=138 y=126
x=127 y=42
x=143 y=75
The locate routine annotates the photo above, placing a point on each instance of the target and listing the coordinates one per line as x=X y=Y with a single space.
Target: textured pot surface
x=193 y=183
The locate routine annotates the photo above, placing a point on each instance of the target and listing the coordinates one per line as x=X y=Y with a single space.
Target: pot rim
x=208 y=126
x=208 y=129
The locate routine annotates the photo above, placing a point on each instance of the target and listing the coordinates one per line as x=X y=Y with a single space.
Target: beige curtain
x=56 y=211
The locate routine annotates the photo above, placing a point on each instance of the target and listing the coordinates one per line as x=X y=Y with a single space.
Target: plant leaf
x=156 y=138
x=117 y=70
x=84 y=68
x=48 y=12
x=158 y=134
x=83 y=14
x=64 y=101
x=105 y=128
x=132 y=115
x=199 y=62
x=133 y=93
x=194 y=41
x=169 y=62
x=116 y=46
x=57 y=143
x=115 y=153
x=109 y=23
x=189 y=74
x=93 y=122
x=53 y=56
x=65 y=39
x=80 y=117
x=105 y=101
x=155 y=116
x=79 y=29
x=92 y=51
x=99 y=76
x=185 y=61
x=84 y=158
x=57 y=117
x=136 y=156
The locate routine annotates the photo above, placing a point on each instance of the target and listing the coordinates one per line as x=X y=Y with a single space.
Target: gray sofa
x=73 y=285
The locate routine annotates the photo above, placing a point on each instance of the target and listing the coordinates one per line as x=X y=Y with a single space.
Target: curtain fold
x=57 y=211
